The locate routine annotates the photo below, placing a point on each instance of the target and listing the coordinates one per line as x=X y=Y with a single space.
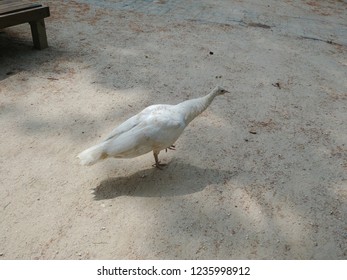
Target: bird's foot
x=157 y=162
x=159 y=165
x=172 y=147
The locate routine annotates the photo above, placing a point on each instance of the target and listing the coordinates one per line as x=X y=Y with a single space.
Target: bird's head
x=219 y=90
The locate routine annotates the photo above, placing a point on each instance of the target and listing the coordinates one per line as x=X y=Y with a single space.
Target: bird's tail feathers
x=92 y=155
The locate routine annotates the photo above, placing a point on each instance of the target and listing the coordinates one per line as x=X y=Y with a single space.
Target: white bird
x=155 y=128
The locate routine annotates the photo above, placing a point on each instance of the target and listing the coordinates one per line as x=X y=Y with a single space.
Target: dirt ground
x=261 y=174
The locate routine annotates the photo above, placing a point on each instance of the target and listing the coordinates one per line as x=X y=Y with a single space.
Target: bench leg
x=38 y=32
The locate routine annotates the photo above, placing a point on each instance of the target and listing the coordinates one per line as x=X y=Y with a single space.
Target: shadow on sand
x=176 y=179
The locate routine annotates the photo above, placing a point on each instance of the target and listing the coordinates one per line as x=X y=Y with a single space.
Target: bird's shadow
x=176 y=179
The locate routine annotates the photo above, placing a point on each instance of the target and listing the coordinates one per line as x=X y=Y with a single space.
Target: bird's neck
x=194 y=107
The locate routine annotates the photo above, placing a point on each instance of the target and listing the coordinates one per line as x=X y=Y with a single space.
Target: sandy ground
x=260 y=175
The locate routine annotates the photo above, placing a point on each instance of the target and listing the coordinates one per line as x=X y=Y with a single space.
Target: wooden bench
x=18 y=12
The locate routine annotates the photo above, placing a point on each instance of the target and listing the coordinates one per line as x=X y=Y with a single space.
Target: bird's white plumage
x=155 y=128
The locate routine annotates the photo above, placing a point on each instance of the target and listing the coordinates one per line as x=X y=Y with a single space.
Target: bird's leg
x=157 y=162
x=172 y=147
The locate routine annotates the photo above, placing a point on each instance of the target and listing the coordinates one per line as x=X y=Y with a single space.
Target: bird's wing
x=124 y=127
x=164 y=129
x=129 y=144
x=133 y=121
x=154 y=133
